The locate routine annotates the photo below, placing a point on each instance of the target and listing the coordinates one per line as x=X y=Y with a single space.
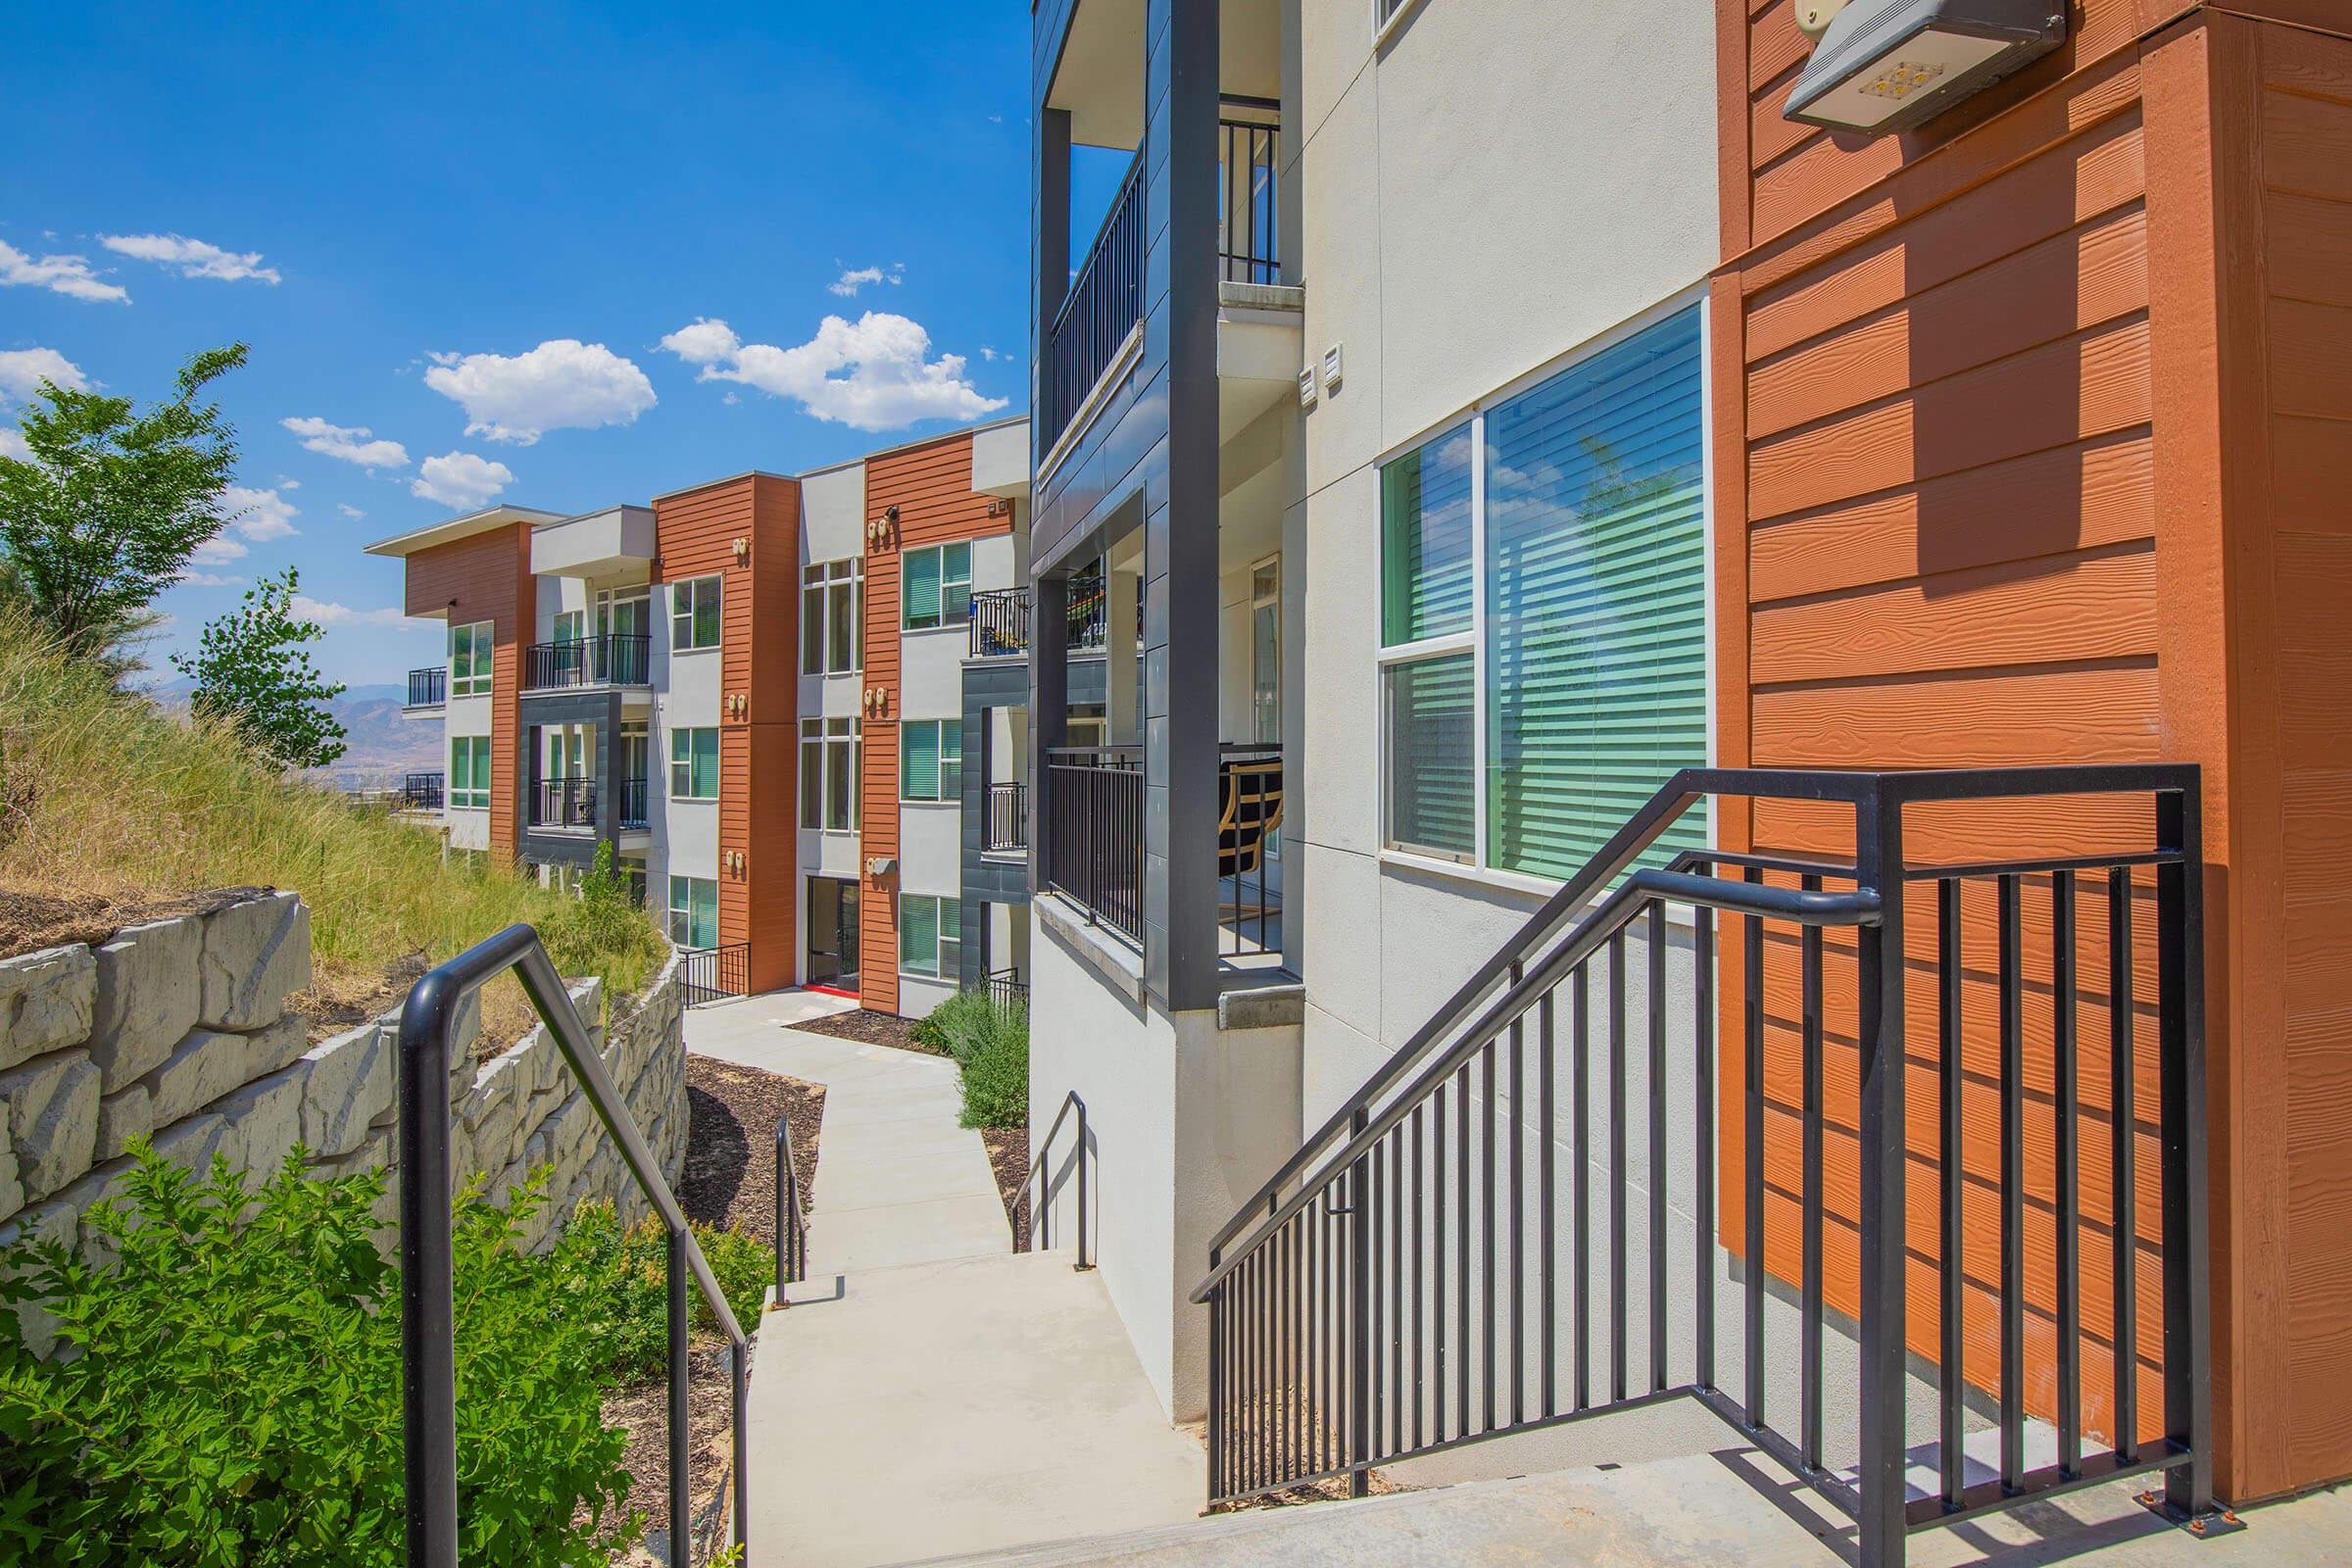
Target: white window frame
x=463 y=799
x=674 y=911
x=818 y=580
x=478 y=635
x=824 y=734
x=934 y=724
x=972 y=568
x=687 y=732
x=683 y=597
x=1473 y=639
x=941 y=941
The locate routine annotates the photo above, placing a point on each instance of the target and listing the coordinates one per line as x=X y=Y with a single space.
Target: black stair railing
x=1456 y=1255
x=429 y=1324
x=715 y=974
x=1038 y=1190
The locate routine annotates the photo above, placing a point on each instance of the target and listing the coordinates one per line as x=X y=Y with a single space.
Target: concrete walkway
x=898 y=1182
x=927 y=1391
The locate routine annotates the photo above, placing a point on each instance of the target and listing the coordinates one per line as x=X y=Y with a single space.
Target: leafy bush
x=615 y=1284
x=234 y=1400
x=990 y=1044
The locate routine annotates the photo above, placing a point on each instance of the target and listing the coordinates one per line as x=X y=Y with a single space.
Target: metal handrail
x=792 y=1221
x=1040 y=1210
x=428 y=1321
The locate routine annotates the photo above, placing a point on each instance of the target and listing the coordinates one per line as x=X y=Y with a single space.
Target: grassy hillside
x=108 y=804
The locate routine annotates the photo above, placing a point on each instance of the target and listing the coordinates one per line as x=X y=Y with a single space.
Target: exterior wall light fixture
x=1880 y=67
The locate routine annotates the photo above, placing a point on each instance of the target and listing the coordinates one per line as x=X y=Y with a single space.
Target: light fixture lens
x=1881 y=88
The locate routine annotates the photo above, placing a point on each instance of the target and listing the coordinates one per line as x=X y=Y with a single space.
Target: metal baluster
x=1753 y=1356
x=1359 y=1263
x=2181 y=1053
x=1461 y=1301
x=1517 y=1211
x=2013 y=1192
x=1951 y=1260
x=1417 y=1255
x=1703 y=948
x=1656 y=1241
x=2064 y=1061
x=1618 y=1283
x=1580 y=1107
x=1809 y=941
x=1396 y=1267
x=1486 y=1299
x=1546 y=1227
x=1437 y=1261
x=2123 y=1130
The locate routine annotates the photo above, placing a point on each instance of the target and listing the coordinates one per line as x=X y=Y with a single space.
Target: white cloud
x=870 y=375
x=563 y=384
x=219 y=552
x=850 y=282
x=193 y=257
x=209 y=580
x=347 y=443
x=70 y=276
x=22 y=370
x=260 y=516
x=349 y=511
x=460 y=480
x=325 y=612
x=991 y=355
x=12 y=445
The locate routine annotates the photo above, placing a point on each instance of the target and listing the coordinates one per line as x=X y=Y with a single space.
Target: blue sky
x=502 y=238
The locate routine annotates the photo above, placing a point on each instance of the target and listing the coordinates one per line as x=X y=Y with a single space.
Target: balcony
x=999 y=624
x=1093 y=842
x=633 y=817
x=421 y=791
x=1005 y=831
x=1102 y=309
x=428 y=690
x=568 y=805
x=582 y=662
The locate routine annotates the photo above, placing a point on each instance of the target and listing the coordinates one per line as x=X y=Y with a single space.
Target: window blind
x=918 y=762
x=1432 y=756
x=922 y=587
x=1425 y=549
x=1596 y=609
x=918 y=934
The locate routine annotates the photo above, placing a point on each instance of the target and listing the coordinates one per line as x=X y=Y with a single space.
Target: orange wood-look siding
x=488 y=577
x=759 y=750
x=2034 y=444
x=931 y=486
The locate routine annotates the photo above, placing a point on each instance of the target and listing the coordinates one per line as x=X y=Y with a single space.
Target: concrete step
x=1673 y=1514
x=978 y=1404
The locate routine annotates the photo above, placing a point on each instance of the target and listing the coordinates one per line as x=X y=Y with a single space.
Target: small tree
x=252 y=670
x=112 y=503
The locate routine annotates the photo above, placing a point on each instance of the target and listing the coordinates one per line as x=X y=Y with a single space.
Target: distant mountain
x=380 y=745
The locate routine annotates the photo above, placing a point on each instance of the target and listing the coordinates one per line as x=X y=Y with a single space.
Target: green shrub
x=615 y=1282
x=990 y=1044
x=235 y=1398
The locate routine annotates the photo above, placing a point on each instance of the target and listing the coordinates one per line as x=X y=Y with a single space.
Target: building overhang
x=487 y=520
x=594 y=544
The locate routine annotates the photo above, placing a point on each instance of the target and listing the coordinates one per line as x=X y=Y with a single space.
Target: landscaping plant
x=614 y=1285
x=990 y=1044
x=231 y=1398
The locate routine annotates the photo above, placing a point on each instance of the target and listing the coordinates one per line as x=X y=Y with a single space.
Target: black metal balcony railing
x=1249 y=815
x=1104 y=302
x=428 y=687
x=1006 y=827
x=633 y=793
x=564 y=802
x=1093 y=832
x=421 y=791
x=714 y=974
x=613 y=659
x=1248 y=221
x=1007 y=990
x=999 y=624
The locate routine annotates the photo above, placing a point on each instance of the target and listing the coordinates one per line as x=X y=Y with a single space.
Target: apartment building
x=752 y=690
x=1651 y=844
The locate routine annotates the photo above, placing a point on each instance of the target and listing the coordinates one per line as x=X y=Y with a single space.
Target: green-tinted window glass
x=918 y=762
x=1432 y=756
x=919 y=588
x=954 y=582
x=694 y=764
x=1596 y=600
x=918 y=934
x=1425 y=541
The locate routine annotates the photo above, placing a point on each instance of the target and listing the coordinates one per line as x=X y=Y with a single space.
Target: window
x=469 y=772
x=571 y=625
x=931 y=760
x=469 y=660
x=693 y=614
x=1579 y=585
x=829 y=773
x=694 y=911
x=633 y=872
x=930 y=936
x=832 y=618
x=694 y=764
x=1265 y=654
x=936 y=585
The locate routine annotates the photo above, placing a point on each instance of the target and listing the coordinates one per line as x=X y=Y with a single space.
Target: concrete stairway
x=902 y=1413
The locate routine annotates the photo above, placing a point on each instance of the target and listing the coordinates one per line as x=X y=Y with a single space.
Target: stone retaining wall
x=178 y=1031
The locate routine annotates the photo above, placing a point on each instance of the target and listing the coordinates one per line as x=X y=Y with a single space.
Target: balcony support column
x=1050 y=186
x=1049 y=706
x=1180 y=519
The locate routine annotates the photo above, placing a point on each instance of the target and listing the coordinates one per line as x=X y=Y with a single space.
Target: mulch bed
x=730 y=1178
x=870 y=1028
x=732 y=1112
x=1009 y=1154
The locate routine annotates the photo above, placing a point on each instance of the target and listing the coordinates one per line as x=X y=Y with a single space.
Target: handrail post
x=428 y=1336
x=1359 y=1318
x=1084 y=1263
x=681 y=1496
x=2181 y=1024
x=1879 y=1476
x=784 y=1181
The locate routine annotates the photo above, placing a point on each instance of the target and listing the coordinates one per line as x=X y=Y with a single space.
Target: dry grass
x=109 y=808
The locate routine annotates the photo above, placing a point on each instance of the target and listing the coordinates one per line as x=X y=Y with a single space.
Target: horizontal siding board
x=1994 y=720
